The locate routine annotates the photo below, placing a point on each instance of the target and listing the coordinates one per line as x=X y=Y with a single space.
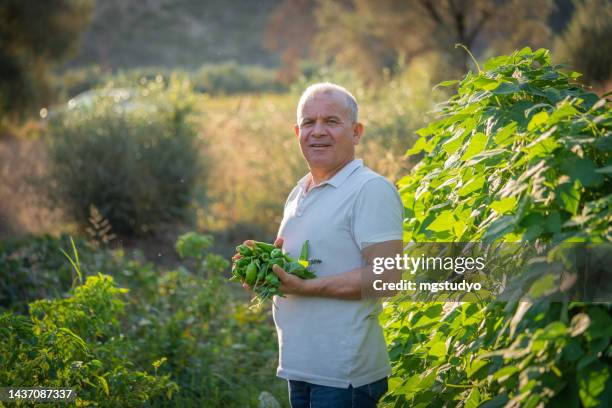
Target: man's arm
x=347 y=285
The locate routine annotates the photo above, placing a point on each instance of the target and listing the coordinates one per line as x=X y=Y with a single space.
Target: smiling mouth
x=319 y=145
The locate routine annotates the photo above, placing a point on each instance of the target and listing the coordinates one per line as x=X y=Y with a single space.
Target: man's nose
x=318 y=129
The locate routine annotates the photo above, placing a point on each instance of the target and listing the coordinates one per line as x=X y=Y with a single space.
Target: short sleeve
x=377 y=213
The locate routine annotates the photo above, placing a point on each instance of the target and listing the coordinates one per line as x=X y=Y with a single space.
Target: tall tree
x=370 y=35
x=586 y=45
x=291 y=28
x=33 y=36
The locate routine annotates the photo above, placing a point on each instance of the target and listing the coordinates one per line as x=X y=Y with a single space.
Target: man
x=332 y=349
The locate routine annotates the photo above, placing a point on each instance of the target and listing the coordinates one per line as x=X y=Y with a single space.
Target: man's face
x=327 y=134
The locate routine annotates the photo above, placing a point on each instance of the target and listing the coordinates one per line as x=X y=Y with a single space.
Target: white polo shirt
x=325 y=341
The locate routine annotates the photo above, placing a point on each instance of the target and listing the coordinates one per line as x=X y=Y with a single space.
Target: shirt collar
x=339 y=178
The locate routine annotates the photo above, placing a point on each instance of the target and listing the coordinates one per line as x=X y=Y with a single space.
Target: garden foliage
x=77 y=343
x=520 y=154
x=184 y=333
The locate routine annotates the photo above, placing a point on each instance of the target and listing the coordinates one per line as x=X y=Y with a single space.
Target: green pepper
x=251 y=273
x=272 y=278
x=242 y=262
x=264 y=246
x=262 y=273
x=277 y=261
x=255 y=264
x=244 y=250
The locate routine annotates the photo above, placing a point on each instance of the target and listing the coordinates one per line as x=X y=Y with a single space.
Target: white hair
x=326 y=88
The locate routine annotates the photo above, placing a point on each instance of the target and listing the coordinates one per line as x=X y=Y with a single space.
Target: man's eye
x=332 y=121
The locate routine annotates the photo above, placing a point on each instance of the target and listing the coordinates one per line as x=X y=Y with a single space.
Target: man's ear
x=358 y=129
x=296 y=129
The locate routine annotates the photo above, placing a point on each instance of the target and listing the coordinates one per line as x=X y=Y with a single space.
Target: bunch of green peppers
x=254 y=267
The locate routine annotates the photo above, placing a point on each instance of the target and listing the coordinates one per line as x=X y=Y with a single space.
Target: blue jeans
x=307 y=395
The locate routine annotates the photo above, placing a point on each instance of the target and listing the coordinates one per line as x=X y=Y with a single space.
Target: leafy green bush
x=231 y=78
x=585 y=44
x=76 y=343
x=196 y=329
x=218 y=351
x=130 y=153
x=520 y=154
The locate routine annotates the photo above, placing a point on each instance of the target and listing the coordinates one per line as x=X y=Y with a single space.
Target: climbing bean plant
x=520 y=153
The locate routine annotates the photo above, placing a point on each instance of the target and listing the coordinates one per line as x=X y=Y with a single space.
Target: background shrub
x=231 y=77
x=72 y=82
x=131 y=153
x=34 y=268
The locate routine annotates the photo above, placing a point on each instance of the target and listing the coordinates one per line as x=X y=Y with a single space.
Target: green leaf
x=592 y=384
x=96 y=363
x=475 y=366
x=454 y=143
x=473 y=400
x=554 y=330
x=504 y=373
x=471 y=186
x=485 y=83
x=418 y=147
x=544 y=285
x=410 y=385
x=78 y=340
x=583 y=170
x=572 y=351
x=447 y=83
x=500 y=227
x=496 y=62
x=492 y=157
x=568 y=196
x=601 y=324
x=505 y=134
x=604 y=170
x=552 y=223
x=476 y=145
x=506 y=88
x=438 y=349
x=562 y=112
x=304 y=252
x=537 y=120
x=427 y=379
x=504 y=205
x=497 y=402
x=443 y=222
x=104 y=384
x=394 y=383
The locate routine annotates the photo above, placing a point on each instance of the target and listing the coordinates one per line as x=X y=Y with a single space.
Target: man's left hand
x=289 y=284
